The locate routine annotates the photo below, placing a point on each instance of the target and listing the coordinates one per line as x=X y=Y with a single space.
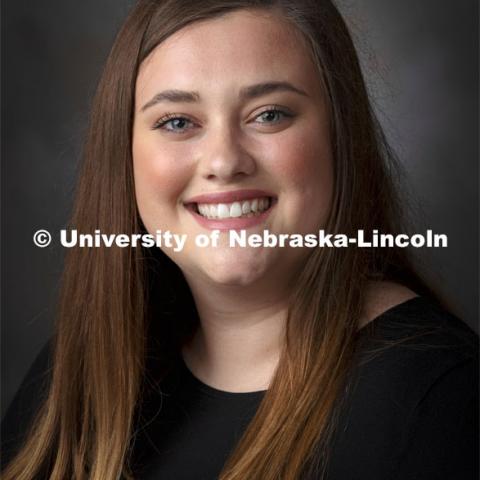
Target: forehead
x=240 y=47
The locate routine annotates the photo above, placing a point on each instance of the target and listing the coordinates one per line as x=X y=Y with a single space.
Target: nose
x=223 y=158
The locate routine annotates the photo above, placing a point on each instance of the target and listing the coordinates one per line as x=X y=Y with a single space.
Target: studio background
x=420 y=59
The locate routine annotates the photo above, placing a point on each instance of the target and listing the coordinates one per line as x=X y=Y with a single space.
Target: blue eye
x=174 y=123
x=272 y=115
x=177 y=124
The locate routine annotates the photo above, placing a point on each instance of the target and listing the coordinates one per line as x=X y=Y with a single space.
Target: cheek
x=160 y=175
x=306 y=157
x=302 y=162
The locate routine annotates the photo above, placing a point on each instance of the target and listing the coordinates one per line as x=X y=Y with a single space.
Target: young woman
x=242 y=363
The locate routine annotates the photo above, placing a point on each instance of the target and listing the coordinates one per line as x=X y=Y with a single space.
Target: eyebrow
x=246 y=93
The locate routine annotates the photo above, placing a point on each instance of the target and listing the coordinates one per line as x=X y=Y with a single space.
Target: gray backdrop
x=421 y=61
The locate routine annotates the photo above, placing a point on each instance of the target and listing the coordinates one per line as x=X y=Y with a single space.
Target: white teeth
x=223 y=211
x=246 y=208
x=236 y=210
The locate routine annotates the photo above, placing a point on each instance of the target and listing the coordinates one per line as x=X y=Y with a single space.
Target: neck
x=237 y=345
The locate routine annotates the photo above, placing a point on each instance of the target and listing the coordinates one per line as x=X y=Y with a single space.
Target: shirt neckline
x=258 y=394
x=215 y=392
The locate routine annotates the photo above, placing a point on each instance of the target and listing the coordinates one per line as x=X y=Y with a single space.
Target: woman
x=245 y=363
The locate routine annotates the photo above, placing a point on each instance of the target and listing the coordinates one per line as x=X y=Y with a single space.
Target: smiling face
x=231 y=132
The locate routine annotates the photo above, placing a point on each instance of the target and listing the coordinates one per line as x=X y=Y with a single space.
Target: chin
x=230 y=279
x=234 y=273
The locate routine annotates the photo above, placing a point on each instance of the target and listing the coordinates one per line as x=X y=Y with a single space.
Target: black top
x=411 y=410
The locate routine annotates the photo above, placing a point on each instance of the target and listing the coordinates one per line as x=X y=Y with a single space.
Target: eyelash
x=160 y=124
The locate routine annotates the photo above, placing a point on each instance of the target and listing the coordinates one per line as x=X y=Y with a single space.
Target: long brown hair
x=85 y=427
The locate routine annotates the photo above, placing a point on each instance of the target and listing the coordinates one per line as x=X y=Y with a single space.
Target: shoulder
x=26 y=403
x=411 y=402
x=381 y=296
x=411 y=336
x=412 y=344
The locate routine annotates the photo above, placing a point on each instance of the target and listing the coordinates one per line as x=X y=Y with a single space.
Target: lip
x=229 y=197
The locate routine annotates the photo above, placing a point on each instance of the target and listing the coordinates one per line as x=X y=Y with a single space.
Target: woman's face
x=230 y=118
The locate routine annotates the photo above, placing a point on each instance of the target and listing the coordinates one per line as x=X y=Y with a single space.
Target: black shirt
x=411 y=409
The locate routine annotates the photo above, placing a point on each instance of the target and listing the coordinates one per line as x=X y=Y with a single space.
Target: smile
x=233 y=210
x=246 y=208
